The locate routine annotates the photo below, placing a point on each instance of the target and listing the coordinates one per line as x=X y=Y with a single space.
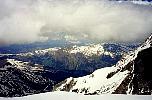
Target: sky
x=27 y=21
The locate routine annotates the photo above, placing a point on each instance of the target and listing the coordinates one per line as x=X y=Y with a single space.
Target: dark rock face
x=139 y=80
x=142 y=82
x=59 y=75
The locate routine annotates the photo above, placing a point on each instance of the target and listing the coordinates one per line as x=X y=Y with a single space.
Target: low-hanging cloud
x=23 y=21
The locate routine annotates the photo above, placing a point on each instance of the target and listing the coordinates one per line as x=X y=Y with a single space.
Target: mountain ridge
x=125 y=72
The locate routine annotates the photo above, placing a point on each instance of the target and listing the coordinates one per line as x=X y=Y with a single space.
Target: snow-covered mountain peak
x=133 y=54
x=47 y=50
x=88 y=50
x=147 y=43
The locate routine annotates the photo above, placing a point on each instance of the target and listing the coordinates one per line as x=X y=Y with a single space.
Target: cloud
x=24 y=21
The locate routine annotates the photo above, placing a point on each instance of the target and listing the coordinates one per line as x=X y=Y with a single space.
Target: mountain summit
x=131 y=75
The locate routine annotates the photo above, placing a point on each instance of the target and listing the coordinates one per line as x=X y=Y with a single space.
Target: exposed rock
x=16 y=81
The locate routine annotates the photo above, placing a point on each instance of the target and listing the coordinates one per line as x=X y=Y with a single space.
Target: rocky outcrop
x=142 y=81
x=16 y=79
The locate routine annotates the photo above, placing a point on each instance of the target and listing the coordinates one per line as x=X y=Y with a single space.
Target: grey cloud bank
x=24 y=21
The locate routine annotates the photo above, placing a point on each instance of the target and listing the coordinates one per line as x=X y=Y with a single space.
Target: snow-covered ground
x=73 y=96
x=97 y=81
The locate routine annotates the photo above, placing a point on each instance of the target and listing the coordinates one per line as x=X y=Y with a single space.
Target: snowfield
x=73 y=96
x=97 y=81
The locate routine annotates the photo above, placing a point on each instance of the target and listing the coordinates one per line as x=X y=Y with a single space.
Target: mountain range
x=51 y=66
x=131 y=75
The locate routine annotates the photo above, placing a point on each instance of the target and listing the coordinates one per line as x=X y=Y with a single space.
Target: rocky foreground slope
x=131 y=75
x=19 y=78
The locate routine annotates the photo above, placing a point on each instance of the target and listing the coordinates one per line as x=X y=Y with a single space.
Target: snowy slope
x=73 y=96
x=96 y=83
x=107 y=80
